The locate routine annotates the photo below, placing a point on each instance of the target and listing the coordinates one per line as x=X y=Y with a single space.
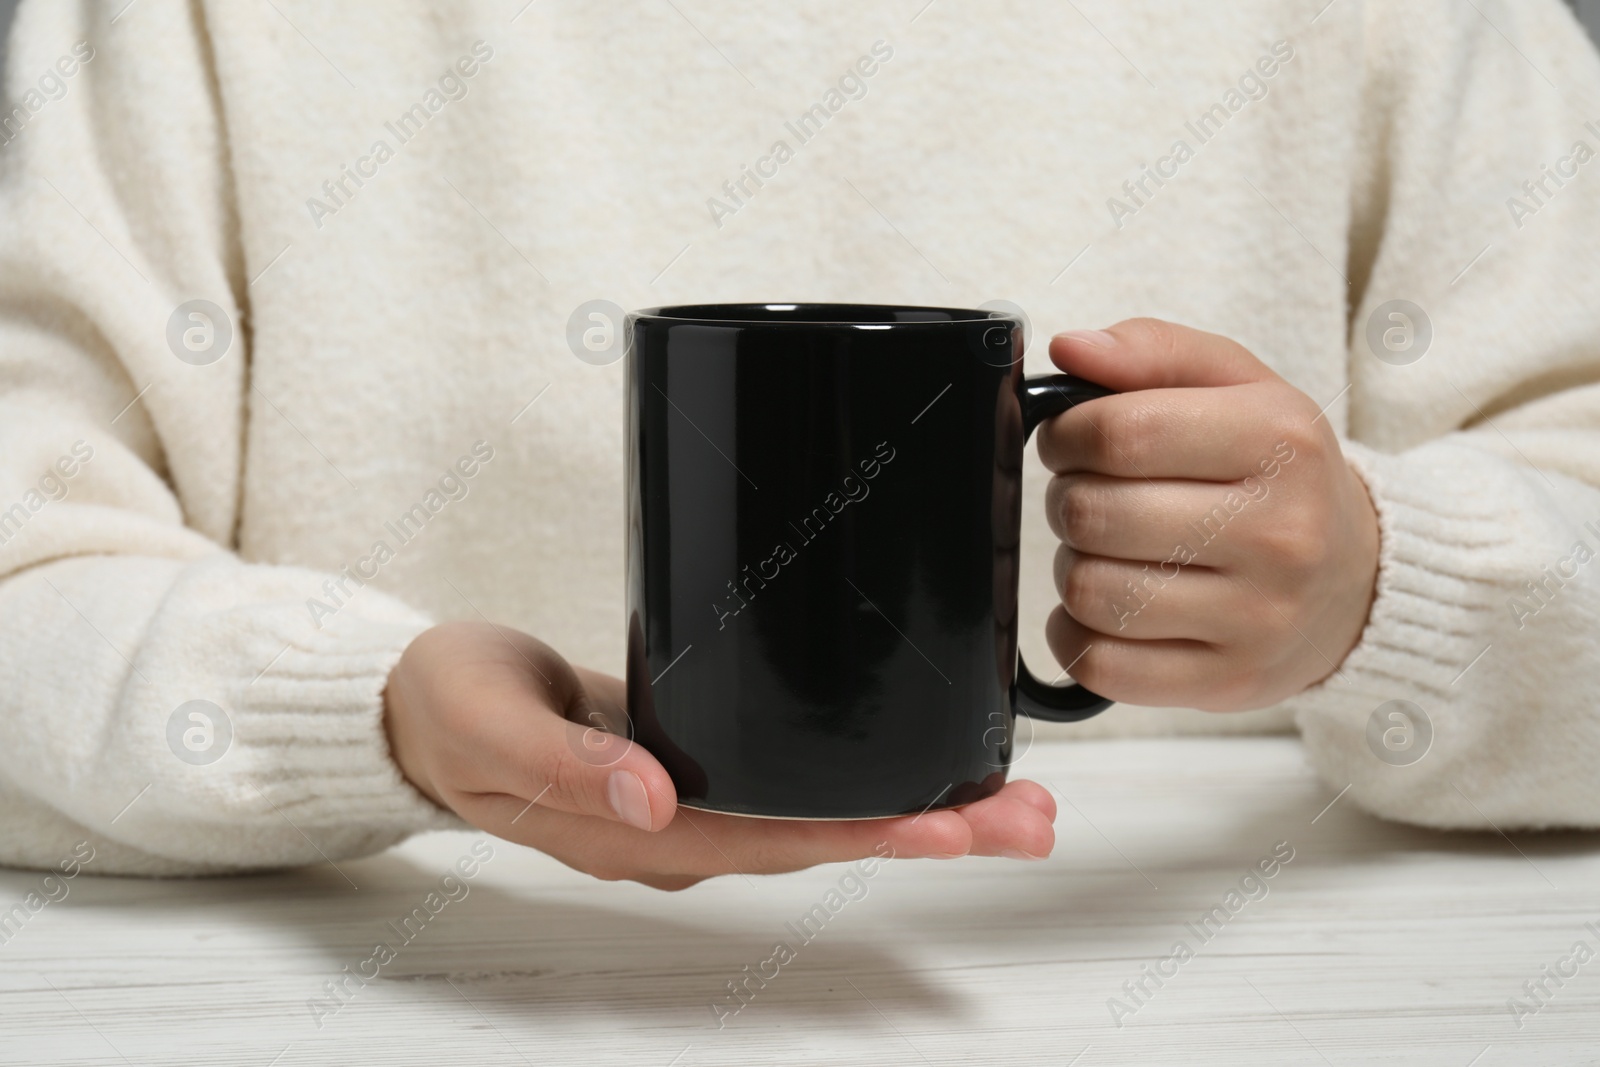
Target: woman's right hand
x=494 y=725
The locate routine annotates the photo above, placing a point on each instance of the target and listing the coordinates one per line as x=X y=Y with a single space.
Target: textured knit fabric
x=394 y=210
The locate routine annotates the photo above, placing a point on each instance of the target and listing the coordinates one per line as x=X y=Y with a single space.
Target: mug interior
x=836 y=314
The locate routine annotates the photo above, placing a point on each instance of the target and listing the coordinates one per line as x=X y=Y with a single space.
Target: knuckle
x=1287 y=425
x=1079 y=590
x=1293 y=436
x=556 y=769
x=1055 y=504
x=1061 y=566
x=1083 y=513
x=1124 y=432
x=1053 y=437
x=1156 y=335
x=1066 y=639
x=1096 y=670
x=1297 y=544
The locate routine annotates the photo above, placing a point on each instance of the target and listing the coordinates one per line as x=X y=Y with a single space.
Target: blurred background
x=1588 y=11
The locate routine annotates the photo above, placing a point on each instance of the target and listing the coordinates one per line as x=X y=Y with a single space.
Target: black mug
x=824 y=512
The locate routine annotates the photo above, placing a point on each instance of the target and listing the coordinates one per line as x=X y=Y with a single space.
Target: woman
x=284 y=387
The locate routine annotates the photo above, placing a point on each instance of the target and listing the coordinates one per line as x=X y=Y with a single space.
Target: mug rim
x=813 y=314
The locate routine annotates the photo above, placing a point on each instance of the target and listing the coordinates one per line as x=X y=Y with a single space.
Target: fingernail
x=945 y=855
x=628 y=799
x=1093 y=338
x=1018 y=854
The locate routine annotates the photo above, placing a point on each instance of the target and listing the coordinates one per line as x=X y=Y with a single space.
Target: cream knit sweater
x=217 y=533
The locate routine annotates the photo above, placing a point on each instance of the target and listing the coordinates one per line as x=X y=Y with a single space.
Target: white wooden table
x=1376 y=944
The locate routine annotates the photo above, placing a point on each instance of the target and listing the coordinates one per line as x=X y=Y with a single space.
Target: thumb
x=1155 y=354
x=582 y=768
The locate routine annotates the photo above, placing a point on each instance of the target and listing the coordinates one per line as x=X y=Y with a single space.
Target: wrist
x=399 y=730
x=1362 y=570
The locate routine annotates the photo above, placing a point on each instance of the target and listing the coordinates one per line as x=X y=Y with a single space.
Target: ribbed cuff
x=311 y=727
x=1447 y=560
x=1459 y=530
x=241 y=736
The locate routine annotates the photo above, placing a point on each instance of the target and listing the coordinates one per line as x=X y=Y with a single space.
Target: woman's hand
x=1217 y=551
x=494 y=725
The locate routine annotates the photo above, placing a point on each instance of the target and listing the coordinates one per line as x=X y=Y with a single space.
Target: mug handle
x=1045 y=396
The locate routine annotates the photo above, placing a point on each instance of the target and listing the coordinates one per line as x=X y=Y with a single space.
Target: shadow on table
x=544 y=962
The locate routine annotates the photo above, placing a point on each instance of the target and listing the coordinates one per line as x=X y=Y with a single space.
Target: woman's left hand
x=1217 y=550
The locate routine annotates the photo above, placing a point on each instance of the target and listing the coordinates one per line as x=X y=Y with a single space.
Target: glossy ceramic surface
x=824 y=515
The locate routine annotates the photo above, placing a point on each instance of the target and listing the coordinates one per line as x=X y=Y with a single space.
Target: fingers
x=702 y=844
x=1122 y=598
x=1159 y=521
x=1007 y=824
x=1221 y=435
x=1014 y=822
x=1145 y=672
x=1034 y=795
x=1141 y=354
x=773 y=846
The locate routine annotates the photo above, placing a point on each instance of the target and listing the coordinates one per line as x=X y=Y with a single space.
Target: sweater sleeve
x=174 y=705
x=1480 y=444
